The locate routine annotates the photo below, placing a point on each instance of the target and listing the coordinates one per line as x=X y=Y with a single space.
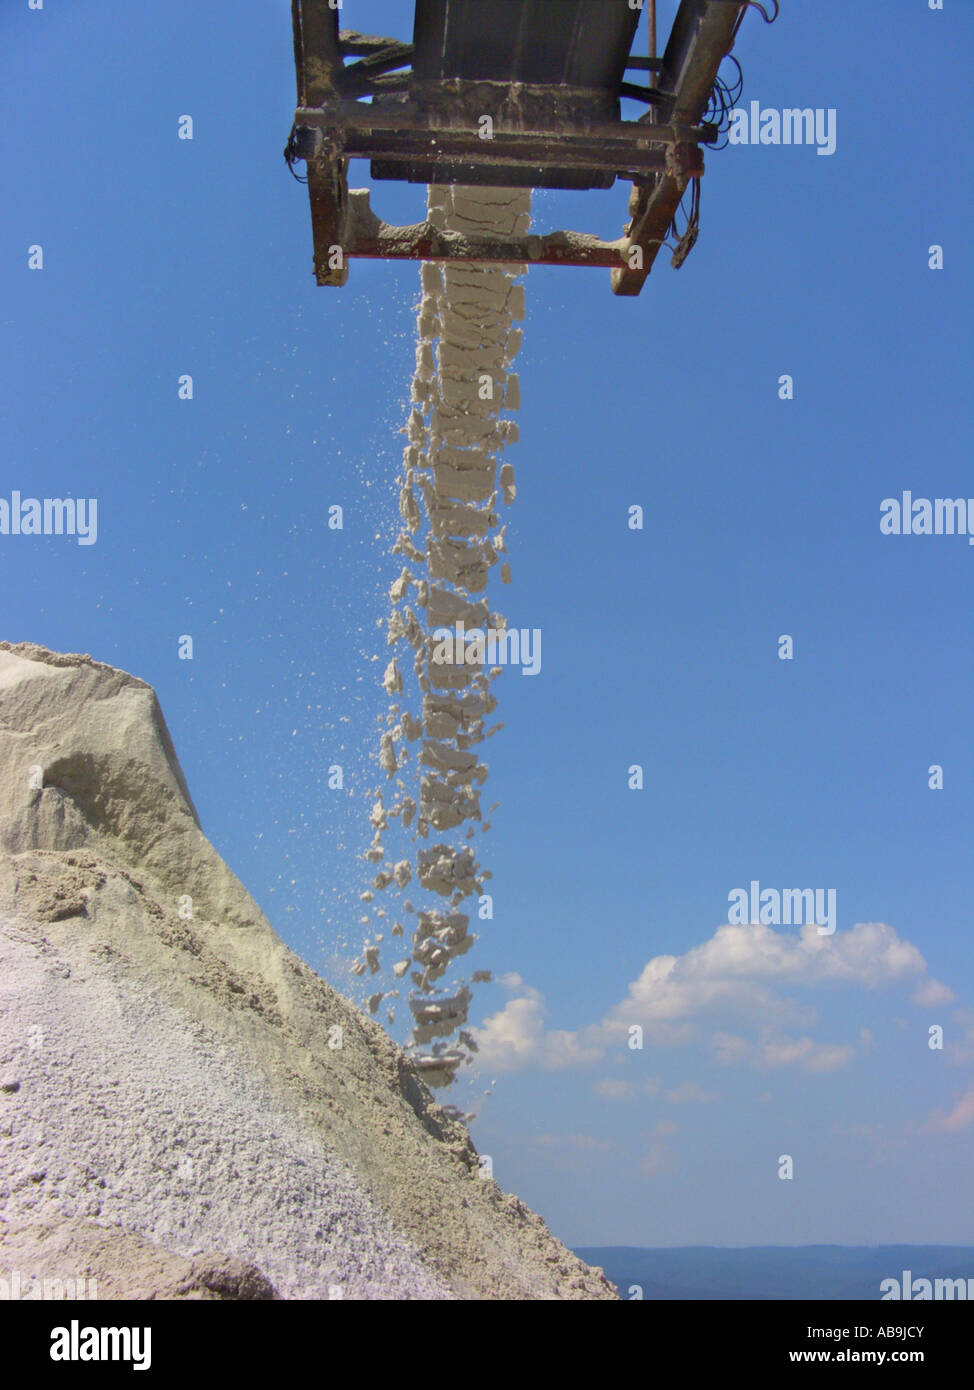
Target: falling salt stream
x=451 y=536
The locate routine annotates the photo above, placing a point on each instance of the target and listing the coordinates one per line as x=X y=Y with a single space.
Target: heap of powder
x=450 y=489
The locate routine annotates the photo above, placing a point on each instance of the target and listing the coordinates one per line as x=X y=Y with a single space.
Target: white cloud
x=730 y=988
x=734 y=973
x=689 y=1094
x=658 y=1160
x=930 y=992
x=615 y=1090
x=777 y=1050
x=958 y=1119
x=728 y=1047
x=515 y=1037
x=803 y=1052
x=962 y=1052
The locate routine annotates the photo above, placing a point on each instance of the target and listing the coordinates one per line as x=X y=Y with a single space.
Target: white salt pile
x=186 y=1109
x=451 y=487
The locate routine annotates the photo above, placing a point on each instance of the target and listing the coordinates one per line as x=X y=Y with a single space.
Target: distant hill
x=774 y=1271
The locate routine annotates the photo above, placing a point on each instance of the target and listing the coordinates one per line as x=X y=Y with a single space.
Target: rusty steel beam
x=317 y=55
x=353 y=44
x=372 y=239
x=358 y=78
x=630 y=149
x=319 y=64
x=701 y=38
x=451 y=148
x=342 y=116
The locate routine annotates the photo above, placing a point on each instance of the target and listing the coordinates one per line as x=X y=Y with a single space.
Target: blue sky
x=163 y=257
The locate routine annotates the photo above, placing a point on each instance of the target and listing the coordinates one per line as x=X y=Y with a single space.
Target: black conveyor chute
x=574 y=43
x=569 y=56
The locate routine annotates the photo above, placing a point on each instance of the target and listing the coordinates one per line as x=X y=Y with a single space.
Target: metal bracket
x=433 y=136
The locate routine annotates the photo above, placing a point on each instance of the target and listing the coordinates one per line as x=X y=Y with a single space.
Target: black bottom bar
x=684 y=1338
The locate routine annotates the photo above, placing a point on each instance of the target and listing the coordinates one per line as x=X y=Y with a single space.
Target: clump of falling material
x=451 y=487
